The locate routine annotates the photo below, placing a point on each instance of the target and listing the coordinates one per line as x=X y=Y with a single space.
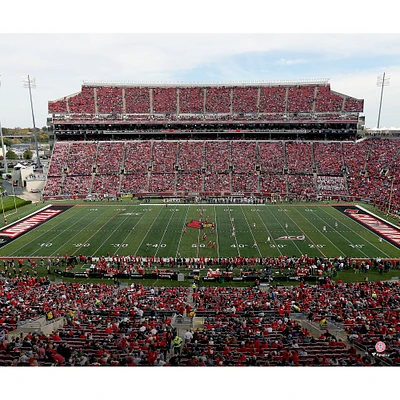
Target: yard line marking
x=130 y=231
x=300 y=252
x=148 y=230
x=98 y=230
x=234 y=231
x=216 y=233
x=355 y=232
x=76 y=234
x=165 y=230
x=251 y=231
x=348 y=241
x=183 y=228
x=308 y=219
x=270 y=234
x=198 y=244
x=61 y=222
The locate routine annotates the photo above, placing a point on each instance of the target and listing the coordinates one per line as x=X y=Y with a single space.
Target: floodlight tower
x=31 y=83
x=2 y=146
x=382 y=81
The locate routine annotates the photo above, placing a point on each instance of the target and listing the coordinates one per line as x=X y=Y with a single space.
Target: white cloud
x=284 y=62
x=61 y=62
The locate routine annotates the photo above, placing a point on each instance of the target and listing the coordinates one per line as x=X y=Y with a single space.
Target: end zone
x=31 y=221
x=374 y=223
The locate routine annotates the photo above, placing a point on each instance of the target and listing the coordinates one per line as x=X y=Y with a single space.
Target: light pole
x=31 y=83
x=3 y=147
x=382 y=81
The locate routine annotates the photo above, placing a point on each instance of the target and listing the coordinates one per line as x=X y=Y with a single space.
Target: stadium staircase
x=316 y=330
x=38 y=325
x=286 y=99
x=231 y=102
x=123 y=101
x=285 y=164
x=184 y=323
x=315 y=98
x=96 y=109
x=313 y=164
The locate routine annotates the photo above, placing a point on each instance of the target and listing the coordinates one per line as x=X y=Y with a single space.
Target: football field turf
x=178 y=230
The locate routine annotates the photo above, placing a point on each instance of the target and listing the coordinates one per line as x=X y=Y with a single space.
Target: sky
x=62 y=55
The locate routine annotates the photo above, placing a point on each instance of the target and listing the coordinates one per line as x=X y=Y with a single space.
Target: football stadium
x=243 y=224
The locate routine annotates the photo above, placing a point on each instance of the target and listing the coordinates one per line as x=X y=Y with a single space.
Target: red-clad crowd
x=165 y=100
x=366 y=169
x=271 y=156
x=273 y=99
x=109 y=100
x=218 y=100
x=299 y=164
x=300 y=99
x=328 y=101
x=328 y=157
x=137 y=100
x=244 y=100
x=83 y=102
x=191 y=100
x=278 y=102
x=134 y=325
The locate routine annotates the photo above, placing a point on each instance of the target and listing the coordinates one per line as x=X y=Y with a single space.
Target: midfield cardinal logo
x=194 y=223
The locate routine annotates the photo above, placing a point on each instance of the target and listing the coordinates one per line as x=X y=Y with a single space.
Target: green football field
x=238 y=230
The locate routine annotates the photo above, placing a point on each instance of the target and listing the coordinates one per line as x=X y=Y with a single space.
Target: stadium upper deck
x=307 y=106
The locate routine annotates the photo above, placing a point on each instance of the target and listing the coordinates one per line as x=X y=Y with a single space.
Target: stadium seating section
x=169 y=103
x=287 y=168
x=111 y=325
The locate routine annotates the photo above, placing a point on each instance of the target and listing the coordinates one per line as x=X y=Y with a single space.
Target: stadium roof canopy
x=323 y=81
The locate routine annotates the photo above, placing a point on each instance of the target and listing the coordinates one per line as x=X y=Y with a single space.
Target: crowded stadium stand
x=294 y=140
x=297 y=139
x=97 y=324
x=276 y=108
